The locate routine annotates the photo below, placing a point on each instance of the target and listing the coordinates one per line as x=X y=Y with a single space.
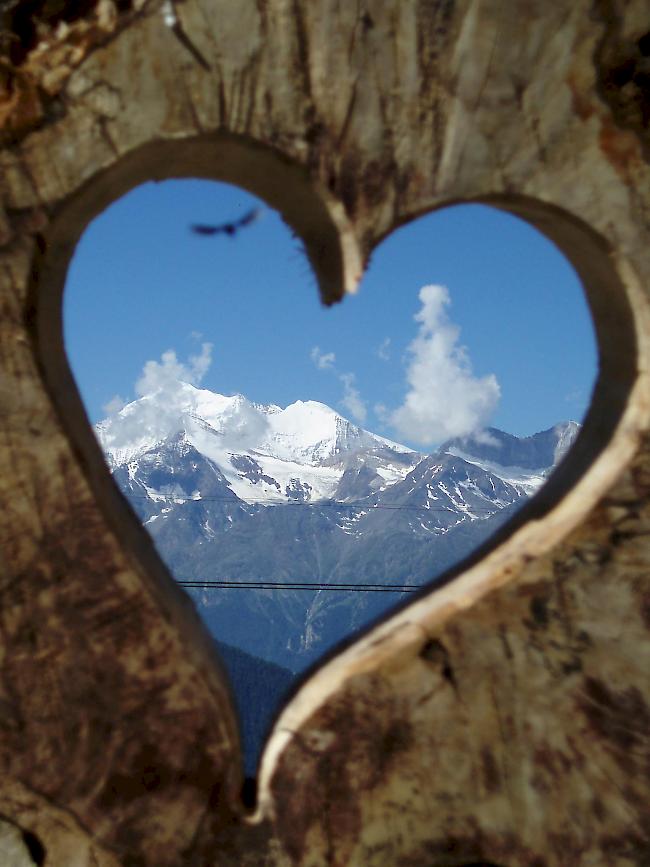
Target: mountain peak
x=306 y=439
x=264 y=449
x=522 y=460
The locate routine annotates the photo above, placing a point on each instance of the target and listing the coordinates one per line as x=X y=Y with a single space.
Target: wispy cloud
x=114 y=405
x=164 y=381
x=352 y=402
x=575 y=396
x=443 y=399
x=383 y=350
x=351 y=399
x=322 y=360
x=485 y=438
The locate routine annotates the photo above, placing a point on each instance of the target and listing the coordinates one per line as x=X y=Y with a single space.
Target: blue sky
x=507 y=342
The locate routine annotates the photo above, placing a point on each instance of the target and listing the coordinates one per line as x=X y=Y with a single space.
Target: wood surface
x=502 y=718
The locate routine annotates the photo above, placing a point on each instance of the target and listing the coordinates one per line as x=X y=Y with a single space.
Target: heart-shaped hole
x=303 y=470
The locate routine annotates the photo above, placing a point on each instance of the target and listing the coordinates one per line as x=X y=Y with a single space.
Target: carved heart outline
x=128 y=714
x=337 y=259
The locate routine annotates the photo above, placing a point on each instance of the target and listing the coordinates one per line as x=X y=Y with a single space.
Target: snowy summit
x=233 y=491
x=262 y=450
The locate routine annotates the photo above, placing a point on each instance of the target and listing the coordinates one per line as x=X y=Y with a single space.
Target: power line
x=295 y=585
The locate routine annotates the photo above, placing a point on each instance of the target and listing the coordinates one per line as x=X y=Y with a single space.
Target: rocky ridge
x=237 y=493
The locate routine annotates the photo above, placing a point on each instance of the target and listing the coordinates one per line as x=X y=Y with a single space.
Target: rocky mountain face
x=300 y=504
x=526 y=460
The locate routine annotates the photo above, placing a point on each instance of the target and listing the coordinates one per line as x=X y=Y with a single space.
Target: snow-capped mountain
x=237 y=492
x=523 y=461
x=265 y=453
x=233 y=491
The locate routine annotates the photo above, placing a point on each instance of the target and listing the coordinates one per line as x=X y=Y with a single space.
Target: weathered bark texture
x=503 y=718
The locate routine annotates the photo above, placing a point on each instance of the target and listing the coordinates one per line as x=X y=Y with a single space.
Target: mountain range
x=292 y=528
x=235 y=493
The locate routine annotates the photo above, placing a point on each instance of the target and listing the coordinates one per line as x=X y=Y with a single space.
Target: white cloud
x=243 y=425
x=322 y=360
x=114 y=405
x=200 y=364
x=352 y=400
x=166 y=404
x=169 y=372
x=383 y=350
x=575 y=396
x=485 y=438
x=382 y=412
x=443 y=399
x=163 y=382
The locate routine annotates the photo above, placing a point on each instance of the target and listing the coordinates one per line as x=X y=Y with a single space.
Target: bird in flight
x=229 y=229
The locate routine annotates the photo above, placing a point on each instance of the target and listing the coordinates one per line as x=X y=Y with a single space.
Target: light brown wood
x=501 y=718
